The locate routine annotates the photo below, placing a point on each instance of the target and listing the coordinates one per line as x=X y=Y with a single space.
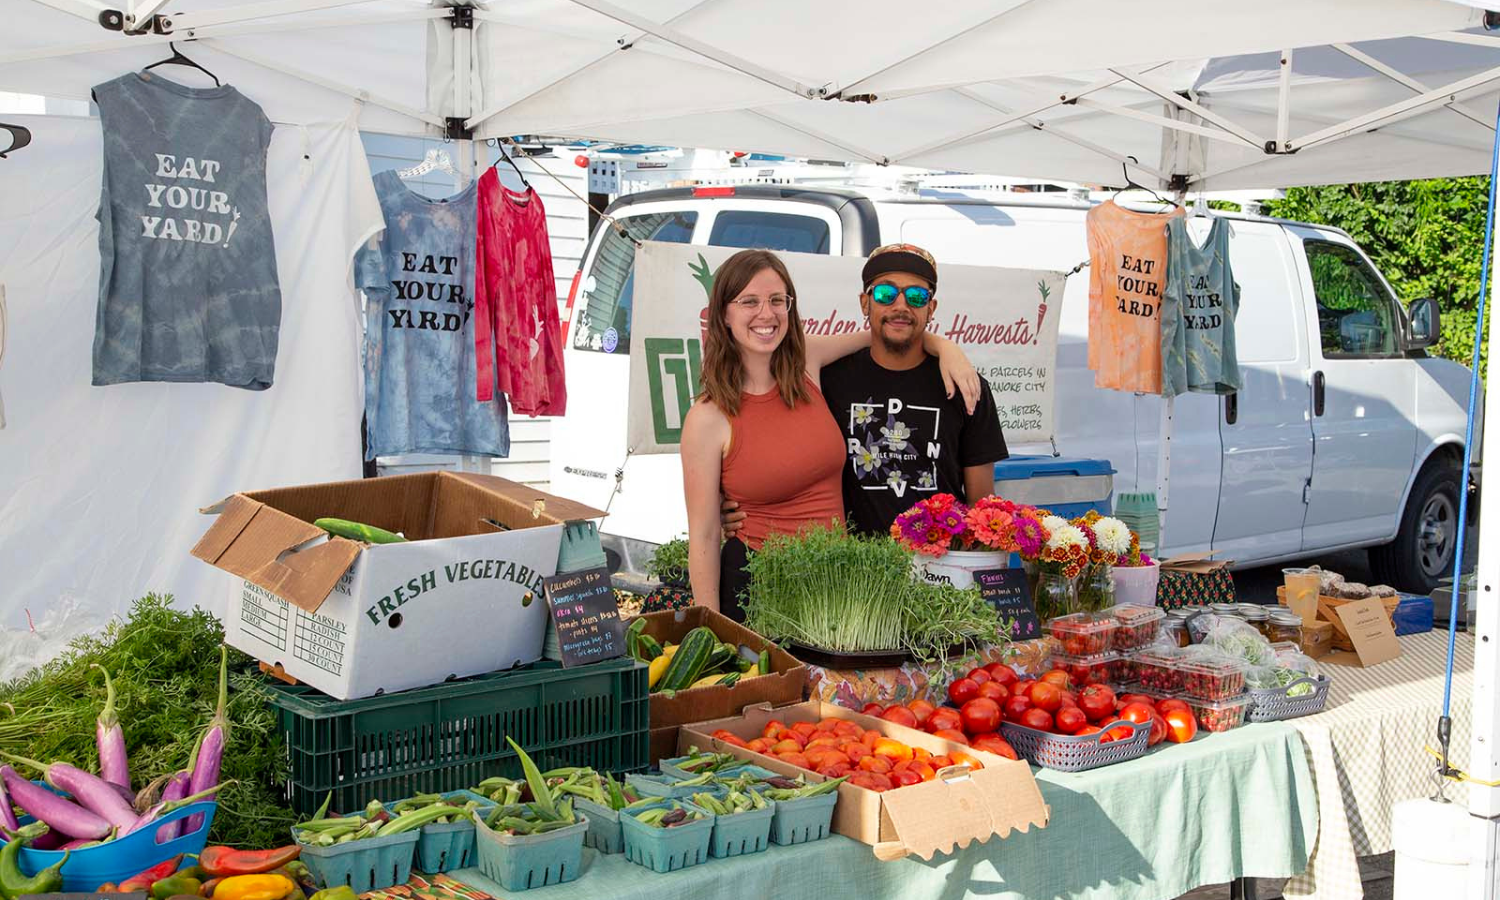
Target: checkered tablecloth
x=1366 y=754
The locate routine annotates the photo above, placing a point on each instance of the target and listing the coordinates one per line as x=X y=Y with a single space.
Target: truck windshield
x=604 y=309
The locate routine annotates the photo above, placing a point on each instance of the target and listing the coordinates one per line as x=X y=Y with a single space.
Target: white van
x=1346 y=433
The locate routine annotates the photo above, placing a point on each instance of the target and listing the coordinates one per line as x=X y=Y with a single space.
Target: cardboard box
x=938 y=816
x=461 y=597
x=1317 y=639
x=785 y=684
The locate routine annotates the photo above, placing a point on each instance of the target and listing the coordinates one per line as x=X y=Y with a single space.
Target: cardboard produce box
x=785 y=683
x=938 y=816
x=461 y=597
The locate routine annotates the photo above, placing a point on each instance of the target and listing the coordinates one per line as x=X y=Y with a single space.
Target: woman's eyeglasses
x=886 y=293
x=751 y=303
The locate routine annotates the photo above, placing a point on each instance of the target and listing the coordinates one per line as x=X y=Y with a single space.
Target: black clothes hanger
x=1131 y=183
x=20 y=136
x=178 y=59
x=500 y=145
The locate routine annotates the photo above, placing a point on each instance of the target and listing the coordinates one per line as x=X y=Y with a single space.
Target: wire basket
x=1075 y=753
x=1273 y=704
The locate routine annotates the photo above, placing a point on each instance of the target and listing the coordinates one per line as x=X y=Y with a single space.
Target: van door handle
x=1319 y=393
x=1231 y=408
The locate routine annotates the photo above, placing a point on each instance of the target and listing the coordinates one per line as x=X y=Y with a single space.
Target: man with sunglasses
x=907 y=438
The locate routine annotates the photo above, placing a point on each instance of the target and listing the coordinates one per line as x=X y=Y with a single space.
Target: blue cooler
x=1413 y=614
x=1067 y=485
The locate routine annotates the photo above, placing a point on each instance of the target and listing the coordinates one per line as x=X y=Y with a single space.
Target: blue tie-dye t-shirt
x=187 y=282
x=418 y=279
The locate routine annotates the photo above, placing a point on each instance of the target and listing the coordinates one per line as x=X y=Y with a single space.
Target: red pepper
x=142 y=881
x=222 y=861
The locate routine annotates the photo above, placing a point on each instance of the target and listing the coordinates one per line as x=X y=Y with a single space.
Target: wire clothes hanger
x=20 y=136
x=1132 y=183
x=178 y=59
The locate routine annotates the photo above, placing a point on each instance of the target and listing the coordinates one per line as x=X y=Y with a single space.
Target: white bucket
x=1431 y=840
x=957 y=567
x=1136 y=585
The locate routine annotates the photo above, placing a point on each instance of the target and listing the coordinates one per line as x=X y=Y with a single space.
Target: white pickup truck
x=1346 y=433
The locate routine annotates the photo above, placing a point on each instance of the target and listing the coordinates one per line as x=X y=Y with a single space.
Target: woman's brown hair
x=723 y=370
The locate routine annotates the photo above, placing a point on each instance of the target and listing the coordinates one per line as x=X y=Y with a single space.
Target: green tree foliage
x=1426 y=237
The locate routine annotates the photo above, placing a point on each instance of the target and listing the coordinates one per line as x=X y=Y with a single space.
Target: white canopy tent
x=1211 y=95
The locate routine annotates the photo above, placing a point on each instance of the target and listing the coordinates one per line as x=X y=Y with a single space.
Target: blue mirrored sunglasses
x=886 y=293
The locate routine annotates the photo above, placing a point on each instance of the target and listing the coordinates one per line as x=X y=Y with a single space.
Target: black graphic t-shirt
x=906 y=440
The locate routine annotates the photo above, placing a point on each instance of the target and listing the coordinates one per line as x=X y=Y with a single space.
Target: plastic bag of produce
x=1241 y=640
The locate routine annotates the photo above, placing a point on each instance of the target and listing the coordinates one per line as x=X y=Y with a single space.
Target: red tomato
x=1046 y=696
x=1002 y=673
x=1059 y=678
x=1070 y=698
x=1087 y=729
x=873 y=709
x=1076 y=645
x=1168 y=704
x=995 y=691
x=900 y=715
x=994 y=743
x=1139 y=713
x=1182 y=725
x=794 y=759
x=921 y=709
x=1023 y=687
x=1158 y=730
x=1015 y=707
x=871 y=781
x=1069 y=719
x=963 y=690
x=877 y=764
x=1097 y=701
x=834 y=770
x=1138 y=698
x=980 y=715
x=978 y=675
x=948 y=734
x=944 y=718
x=905 y=777
x=1037 y=718
x=1119 y=732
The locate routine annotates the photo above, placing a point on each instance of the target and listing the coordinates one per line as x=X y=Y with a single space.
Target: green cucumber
x=765 y=662
x=358 y=531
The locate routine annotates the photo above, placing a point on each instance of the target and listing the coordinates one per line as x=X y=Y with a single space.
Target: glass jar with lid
x=1175 y=626
x=1285 y=625
x=1225 y=609
x=1257 y=616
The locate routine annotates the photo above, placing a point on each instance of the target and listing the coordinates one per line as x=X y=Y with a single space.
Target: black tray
x=858 y=659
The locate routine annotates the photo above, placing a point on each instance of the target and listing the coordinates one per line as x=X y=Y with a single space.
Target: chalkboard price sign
x=586 y=616
x=1007 y=591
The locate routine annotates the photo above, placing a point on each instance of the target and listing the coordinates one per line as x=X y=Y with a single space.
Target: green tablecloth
x=1227 y=805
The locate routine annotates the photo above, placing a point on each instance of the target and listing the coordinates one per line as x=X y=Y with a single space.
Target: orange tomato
x=950 y=734
x=870 y=736
x=772 y=728
x=788 y=734
x=828 y=724
x=960 y=758
x=1058 y=678
x=760 y=745
x=940 y=762
x=794 y=759
x=871 y=781
x=873 y=763
x=831 y=742
x=905 y=777
x=855 y=750
x=922 y=710
x=925 y=771
x=787 y=746
x=920 y=753
x=892 y=748
x=804 y=728
x=848 y=728
x=819 y=758
x=834 y=770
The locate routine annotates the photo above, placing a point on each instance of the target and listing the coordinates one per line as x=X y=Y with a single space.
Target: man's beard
x=900 y=348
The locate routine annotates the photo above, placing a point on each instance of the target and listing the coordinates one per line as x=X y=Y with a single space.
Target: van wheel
x=1422 y=553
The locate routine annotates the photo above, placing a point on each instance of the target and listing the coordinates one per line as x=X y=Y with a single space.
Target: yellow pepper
x=254 y=887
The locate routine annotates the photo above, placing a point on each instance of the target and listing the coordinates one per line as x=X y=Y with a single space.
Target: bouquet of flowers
x=938 y=524
x=1108 y=539
x=1134 y=557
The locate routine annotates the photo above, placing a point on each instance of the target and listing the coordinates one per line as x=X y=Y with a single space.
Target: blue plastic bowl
x=119 y=859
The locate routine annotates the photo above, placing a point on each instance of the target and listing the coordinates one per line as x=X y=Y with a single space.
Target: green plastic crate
x=451 y=736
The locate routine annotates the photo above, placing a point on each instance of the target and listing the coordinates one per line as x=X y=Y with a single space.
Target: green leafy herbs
x=837 y=591
x=164 y=663
x=669 y=562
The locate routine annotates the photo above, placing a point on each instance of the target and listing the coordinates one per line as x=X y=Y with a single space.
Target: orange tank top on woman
x=785 y=466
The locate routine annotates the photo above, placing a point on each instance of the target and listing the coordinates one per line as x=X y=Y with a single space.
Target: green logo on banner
x=678 y=362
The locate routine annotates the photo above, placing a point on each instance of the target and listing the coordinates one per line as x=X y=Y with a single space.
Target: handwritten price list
x=588 y=623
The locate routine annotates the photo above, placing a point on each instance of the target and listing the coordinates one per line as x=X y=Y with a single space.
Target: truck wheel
x=1422 y=553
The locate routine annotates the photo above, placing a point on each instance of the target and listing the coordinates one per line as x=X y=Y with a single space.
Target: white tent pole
x=244 y=12
x=1395 y=112
x=1459 y=37
x=463 y=53
x=146 y=10
x=1140 y=80
x=1006 y=7
x=1405 y=80
x=693 y=45
x=356 y=93
x=83 y=9
x=1164 y=466
x=1128 y=112
x=1284 y=101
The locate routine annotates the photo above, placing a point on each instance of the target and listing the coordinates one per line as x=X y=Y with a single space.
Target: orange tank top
x=1127 y=273
x=785 y=466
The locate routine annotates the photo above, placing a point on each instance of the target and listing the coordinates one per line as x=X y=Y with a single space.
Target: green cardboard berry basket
x=520 y=862
x=667 y=849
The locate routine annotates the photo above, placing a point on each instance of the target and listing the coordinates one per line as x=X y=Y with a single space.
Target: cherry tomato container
x=1212 y=679
x=1156 y=671
x=1219 y=715
x=1083 y=634
x=1100 y=668
x=1139 y=625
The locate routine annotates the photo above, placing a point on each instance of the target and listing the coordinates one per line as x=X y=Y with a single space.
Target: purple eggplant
x=167 y=806
x=114 y=765
x=52 y=840
x=209 y=755
x=92 y=792
x=8 y=821
x=59 y=814
x=176 y=789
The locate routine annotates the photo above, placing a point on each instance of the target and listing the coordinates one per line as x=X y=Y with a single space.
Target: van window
x=1265 y=327
x=1356 y=317
x=604 y=315
x=771 y=231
